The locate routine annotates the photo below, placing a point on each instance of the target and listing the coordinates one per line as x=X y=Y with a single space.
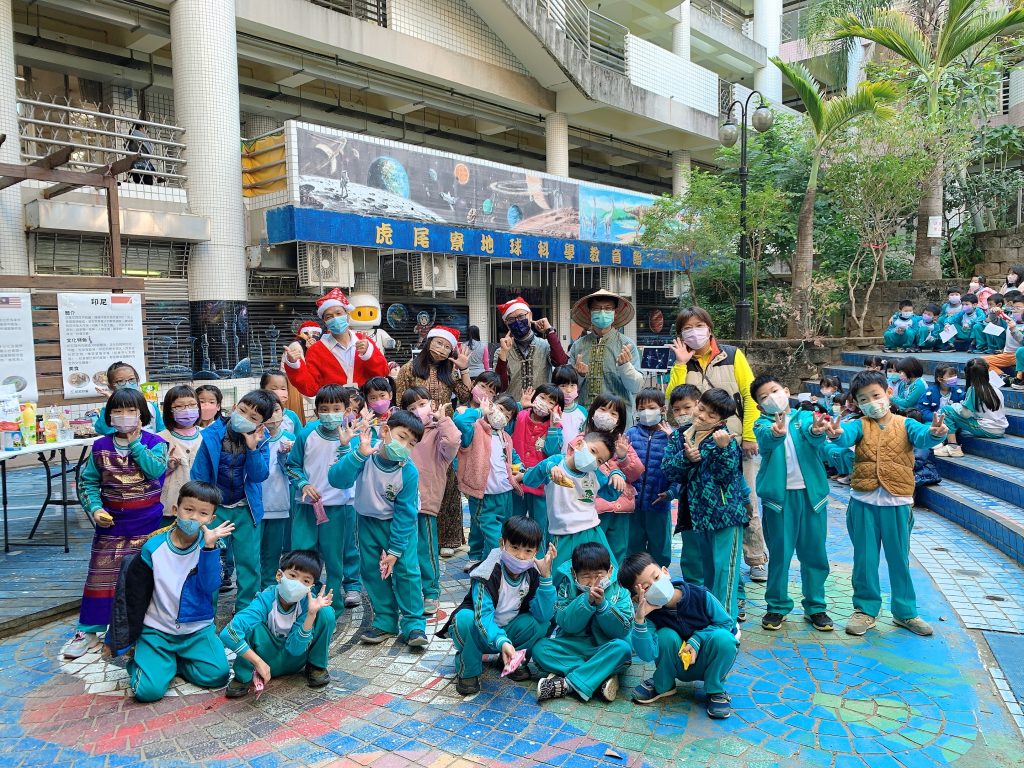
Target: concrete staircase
x=984 y=491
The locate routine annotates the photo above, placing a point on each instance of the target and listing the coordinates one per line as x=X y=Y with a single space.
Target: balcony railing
x=600 y=39
x=793 y=24
x=100 y=138
x=728 y=16
x=373 y=11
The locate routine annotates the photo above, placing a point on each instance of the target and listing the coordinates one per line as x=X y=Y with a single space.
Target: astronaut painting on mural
x=366 y=318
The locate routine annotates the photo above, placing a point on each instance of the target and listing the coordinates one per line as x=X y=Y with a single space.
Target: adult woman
x=478 y=358
x=440 y=368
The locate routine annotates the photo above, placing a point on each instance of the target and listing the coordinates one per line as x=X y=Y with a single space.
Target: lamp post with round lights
x=761 y=119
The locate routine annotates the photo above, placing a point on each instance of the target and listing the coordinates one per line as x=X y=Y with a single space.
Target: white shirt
x=376 y=490
x=572 y=424
x=881 y=498
x=346 y=354
x=510 y=598
x=276 y=488
x=280 y=622
x=321 y=453
x=572 y=510
x=171 y=566
x=497 y=479
x=794 y=477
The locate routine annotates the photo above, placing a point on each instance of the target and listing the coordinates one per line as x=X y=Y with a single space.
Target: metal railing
x=793 y=24
x=100 y=138
x=373 y=11
x=719 y=12
x=600 y=39
x=725 y=95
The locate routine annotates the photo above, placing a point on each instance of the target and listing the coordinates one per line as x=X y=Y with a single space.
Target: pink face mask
x=570 y=394
x=380 y=406
x=480 y=393
x=424 y=414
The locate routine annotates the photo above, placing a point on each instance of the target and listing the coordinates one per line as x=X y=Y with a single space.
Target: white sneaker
x=81 y=644
x=447 y=552
x=954 y=451
x=430 y=607
x=941 y=451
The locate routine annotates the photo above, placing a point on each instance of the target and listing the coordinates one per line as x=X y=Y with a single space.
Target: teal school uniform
x=901 y=333
x=908 y=394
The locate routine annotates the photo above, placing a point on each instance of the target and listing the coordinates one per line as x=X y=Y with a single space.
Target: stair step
x=995 y=521
x=1007 y=450
x=984 y=476
x=928 y=359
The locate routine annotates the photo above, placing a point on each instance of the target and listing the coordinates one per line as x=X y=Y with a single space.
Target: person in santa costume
x=340 y=357
x=440 y=368
x=524 y=357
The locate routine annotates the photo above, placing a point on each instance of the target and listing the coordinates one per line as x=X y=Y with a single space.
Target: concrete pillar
x=680 y=172
x=681 y=31
x=13 y=251
x=557 y=135
x=562 y=305
x=768 y=32
x=205 y=69
x=854 y=65
x=478 y=293
x=1017 y=96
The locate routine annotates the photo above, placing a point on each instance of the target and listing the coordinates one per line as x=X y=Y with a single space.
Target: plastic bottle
x=51 y=426
x=28 y=424
x=66 y=431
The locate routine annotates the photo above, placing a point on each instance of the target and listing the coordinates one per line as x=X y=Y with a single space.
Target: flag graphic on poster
x=17 y=347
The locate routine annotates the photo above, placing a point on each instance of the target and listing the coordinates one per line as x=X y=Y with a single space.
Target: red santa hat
x=333 y=298
x=441 y=332
x=309 y=327
x=515 y=305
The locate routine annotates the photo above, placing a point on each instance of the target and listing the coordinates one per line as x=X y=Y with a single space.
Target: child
x=712 y=502
x=965 y=320
x=793 y=489
x=574 y=415
x=607 y=414
x=538 y=435
x=952 y=307
x=1014 y=279
x=593 y=617
x=379 y=395
x=873 y=363
x=277 y=382
x=880 y=501
x=277 y=499
x=688 y=622
x=616 y=515
x=120 y=487
x=489 y=471
x=572 y=484
x=121 y=375
x=979 y=287
x=925 y=471
x=387 y=500
x=1012 y=356
x=681 y=403
x=928 y=329
x=287 y=628
x=980 y=414
x=828 y=388
x=486 y=386
x=902 y=330
x=986 y=343
x=650 y=526
x=170 y=599
x=432 y=456
x=911 y=387
x=510 y=605
x=234 y=457
x=944 y=391
x=316 y=449
x=210 y=400
x=180 y=412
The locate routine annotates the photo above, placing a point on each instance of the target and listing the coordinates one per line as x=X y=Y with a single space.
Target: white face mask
x=497 y=420
x=776 y=402
x=604 y=421
x=650 y=416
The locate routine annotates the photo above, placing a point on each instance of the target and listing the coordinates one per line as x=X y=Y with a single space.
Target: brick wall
x=886 y=297
x=792 y=360
x=1002 y=249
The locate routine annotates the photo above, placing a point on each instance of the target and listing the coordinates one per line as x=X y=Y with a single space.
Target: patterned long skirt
x=450 y=532
x=108 y=552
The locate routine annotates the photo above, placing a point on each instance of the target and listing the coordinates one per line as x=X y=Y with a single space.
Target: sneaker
x=447 y=552
x=430 y=606
x=859 y=624
x=81 y=644
x=417 y=639
x=820 y=621
x=467 y=686
x=719 y=707
x=226 y=584
x=237 y=689
x=942 y=451
x=1017 y=383
x=317 y=677
x=772 y=621
x=888 y=349
x=353 y=599
x=521 y=673
x=646 y=693
x=759 y=573
x=470 y=566
x=917 y=625
x=741 y=609
x=954 y=451
x=374 y=636
x=551 y=687
x=843 y=479
x=609 y=688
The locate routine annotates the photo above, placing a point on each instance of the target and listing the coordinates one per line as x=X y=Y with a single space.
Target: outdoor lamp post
x=761 y=119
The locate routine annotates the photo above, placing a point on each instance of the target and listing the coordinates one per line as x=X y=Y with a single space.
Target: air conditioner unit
x=618 y=279
x=675 y=285
x=325 y=266
x=436 y=274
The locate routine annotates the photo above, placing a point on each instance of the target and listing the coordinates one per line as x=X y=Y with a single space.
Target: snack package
x=686 y=655
x=151 y=391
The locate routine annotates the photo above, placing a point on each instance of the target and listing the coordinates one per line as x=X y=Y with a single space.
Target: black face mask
x=519 y=328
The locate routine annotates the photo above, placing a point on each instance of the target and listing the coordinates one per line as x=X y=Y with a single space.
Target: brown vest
x=884 y=457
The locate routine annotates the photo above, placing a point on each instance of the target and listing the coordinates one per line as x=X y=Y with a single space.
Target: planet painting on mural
x=432 y=175
x=487 y=206
x=397 y=316
x=515 y=215
x=390 y=175
x=656 y=321
x=461 y=172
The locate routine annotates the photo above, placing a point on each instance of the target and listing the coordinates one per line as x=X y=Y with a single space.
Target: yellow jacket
x=725 y=367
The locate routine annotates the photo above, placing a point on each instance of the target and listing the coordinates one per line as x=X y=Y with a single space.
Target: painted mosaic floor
x=801 y=698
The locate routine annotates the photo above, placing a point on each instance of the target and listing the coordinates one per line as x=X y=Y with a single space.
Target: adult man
x=607 y=359
x=524 y=358
x=340 y=357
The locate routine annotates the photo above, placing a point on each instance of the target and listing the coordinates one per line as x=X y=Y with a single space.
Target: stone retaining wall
x=791 y=360
x=1002 y=249
x=885 y=300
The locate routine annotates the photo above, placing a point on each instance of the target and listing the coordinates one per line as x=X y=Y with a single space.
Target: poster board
x=97 y=329
x=17 y=347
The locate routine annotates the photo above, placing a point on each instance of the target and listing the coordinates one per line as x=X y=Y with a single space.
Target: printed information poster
x=17 y=350
x=97 y=329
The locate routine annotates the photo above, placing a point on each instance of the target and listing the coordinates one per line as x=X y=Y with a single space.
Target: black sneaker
x=1017 y=383
x=374 y=636
x=820 y=621
x=719 y=707
x=646 y=693
x=772 y=621
x=226 y=584
x=521 y=673
x=237 y=689
x=741 y=610
x=467 y=686
x=317 y=677
x=551 y=687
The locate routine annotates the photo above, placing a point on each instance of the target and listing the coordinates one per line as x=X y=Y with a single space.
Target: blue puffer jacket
x=929 y=404
x=649 y=444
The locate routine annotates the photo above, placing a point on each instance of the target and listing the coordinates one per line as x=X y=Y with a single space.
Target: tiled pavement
x=801 y=698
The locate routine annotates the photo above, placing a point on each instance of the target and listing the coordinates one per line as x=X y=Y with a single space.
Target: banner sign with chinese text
x=17 y=347
x=97 y=329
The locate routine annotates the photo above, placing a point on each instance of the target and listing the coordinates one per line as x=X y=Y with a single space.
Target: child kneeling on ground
x=694 y=637
x=287 y=628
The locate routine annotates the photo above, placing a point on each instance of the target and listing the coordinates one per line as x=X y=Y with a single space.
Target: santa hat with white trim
x=333 y=298
x=450 y=335
x=515 y=305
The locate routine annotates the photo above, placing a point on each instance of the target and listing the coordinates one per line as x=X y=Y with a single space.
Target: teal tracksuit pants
x=714 y=660
x=429 y=553
x=159 y=656
x=581 y=661
x=872 y=528
x=271 y=547
x=905 y=340
x=796 y=528
x=986 y=343
x=650 y=530
x=928 y=337
x=398 y=601
x=970 y=425
x=246 y=540
x=720 y=556
x=486 y=516
x=567 y=543
x=691 y=562
x=470 y=644
x=336 y=542
x=271 y=649
x=536 y=508
x=616 y=527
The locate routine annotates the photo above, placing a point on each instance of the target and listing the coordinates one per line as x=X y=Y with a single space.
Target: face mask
x=776 y=402
x=696 y=338
x=520 y=329
x=273 y=426
x=126 y=385
x=602 y=318
x=380 y=407
x=332 y=421
x=188 y=527
x=584 y=459
x=514 y=565
x=395 y=451
x=125 y=423
x=497 y=420
x=1011 y=279
x=338 y=324
x=541 y=410
x=875 y=410
x=927 y=319
x=208 y=411
x=951 y=382
x=954 y=301
x=903 y=377
x=186 y=417
x=291 y=590
x=241 y=424
x=684 y=421
x=650 y=416
x=570 y=394
x=974 y=287
x=1017 y=316
x=906 y=315
x=424 y=414
x=827 y=393
x=480 y=393
x=660 y=592
x=604 y=421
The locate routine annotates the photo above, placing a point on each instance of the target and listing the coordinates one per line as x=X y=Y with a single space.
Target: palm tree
x=961 y=40
x=827 y=116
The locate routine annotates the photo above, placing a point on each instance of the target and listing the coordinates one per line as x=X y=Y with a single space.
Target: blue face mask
x=520 y=329
x=602 y=318
x=331 y=421
x=584 y=459
x=241 y=424
x=188 y=527
x=338 y=324
x=291 y=590
x=660 y=591
x=126 y=385
x=395 y=451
